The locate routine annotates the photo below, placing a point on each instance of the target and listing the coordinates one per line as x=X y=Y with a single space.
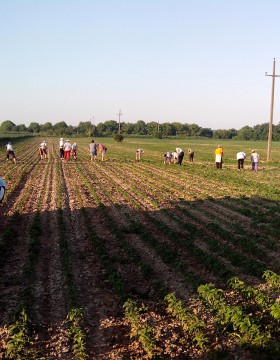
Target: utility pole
x=119 y=115
x=92 y=123
x=268 y=158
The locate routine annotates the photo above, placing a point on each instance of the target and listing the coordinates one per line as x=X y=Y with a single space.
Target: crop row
x=252 y=331
x=250 y=265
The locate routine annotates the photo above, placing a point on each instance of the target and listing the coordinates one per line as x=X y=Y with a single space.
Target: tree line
x=141 y=128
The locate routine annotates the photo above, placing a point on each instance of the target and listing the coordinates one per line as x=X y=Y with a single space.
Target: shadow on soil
x=123 y=253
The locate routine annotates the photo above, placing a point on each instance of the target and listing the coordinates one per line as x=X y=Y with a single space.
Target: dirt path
x=95 y=296
x=50 y=304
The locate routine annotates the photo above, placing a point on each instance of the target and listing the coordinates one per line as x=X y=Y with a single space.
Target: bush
x=118 y=137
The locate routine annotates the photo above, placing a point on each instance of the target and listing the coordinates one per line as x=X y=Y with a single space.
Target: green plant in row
x=250 y=293
x=249 y=265
x=114 y=277
x=189 y=321
x=146 y=269
x=76 y=334
x=168 y=255
x=272 y=279
x=233 y=319
x=63 y=245
x=19 y=335
x=139 y=328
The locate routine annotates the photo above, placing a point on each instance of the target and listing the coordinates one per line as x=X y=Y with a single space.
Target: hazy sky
x=191 y=61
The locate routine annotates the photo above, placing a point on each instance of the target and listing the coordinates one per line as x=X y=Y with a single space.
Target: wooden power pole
x=268 y=158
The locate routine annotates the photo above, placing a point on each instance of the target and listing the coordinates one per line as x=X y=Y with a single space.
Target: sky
x=188 y=61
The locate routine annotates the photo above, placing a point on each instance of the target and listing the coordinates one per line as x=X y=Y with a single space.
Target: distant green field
x=264 y=183
x=204 y=148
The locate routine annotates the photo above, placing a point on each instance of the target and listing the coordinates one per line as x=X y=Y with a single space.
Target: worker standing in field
x=10 y=151
x=191 y=154
x=67 y=150
x=93 y=150
x=102 y=149
x=43 y=150
x=219 y=157
x=167 y=157
x=61 y=148
x=74 y=150
x=255 y=158
x=139 y=153
x=241 y=156
x=181 y=155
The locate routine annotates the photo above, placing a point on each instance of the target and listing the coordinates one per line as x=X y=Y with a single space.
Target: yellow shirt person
x=219 y=157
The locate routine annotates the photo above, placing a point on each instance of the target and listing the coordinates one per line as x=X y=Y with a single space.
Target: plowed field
x=90 y=236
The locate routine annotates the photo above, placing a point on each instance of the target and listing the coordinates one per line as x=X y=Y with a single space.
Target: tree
x=245 y=133
x=152 y=128
x=34 y=127
x=220 y=134
x=276 y=132
x=7 y=125
x=85 y=127
x=60 y=127
x=177 y=128
x=140 y=128
x=21 y=128
x=70 y=130
x=127 y=128
x=100 y=129
x=166 y=129
x=231 y=133
x=47 y=126
x=111 y=126
x=225 y=134
x=261 y=132
x=206 y=132
x=194 y=130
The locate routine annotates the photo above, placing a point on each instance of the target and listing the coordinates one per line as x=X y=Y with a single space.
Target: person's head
x=219 y=146
x=9 y=143
x=61 y=139
x=92 y=141
x=252 y=151
x=67 y=140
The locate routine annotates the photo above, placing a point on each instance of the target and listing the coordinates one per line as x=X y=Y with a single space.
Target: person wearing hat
x=67 y=150
x=219 y=157
x=10 y=151
x=191 y=154
x=61 y=148
x=255 y=158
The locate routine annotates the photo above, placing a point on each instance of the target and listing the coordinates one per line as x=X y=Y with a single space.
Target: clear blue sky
x=191 y=61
